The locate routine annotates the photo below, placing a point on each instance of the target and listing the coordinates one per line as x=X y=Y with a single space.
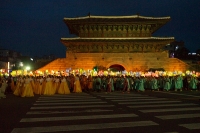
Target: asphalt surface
x=139 y=112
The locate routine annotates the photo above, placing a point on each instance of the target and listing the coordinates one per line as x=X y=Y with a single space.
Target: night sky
x=34 y=27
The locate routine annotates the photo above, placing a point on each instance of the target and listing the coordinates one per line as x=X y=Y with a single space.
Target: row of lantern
x=118 y=73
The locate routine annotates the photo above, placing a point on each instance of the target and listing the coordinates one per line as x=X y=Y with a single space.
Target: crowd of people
x=28 y=86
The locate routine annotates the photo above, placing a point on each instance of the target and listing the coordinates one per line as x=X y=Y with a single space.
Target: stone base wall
x=130 y=61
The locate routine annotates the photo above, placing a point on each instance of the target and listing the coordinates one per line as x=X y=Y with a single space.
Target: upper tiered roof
x=109 y=19
x=152 y=23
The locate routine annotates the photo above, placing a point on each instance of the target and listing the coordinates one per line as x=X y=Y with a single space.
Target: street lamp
x=28 y=68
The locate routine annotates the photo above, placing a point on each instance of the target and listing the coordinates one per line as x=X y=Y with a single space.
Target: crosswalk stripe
x=191 y=126
x=153 y=99
x=43 y=98
x=66 y=112
x=106 y=96
x=162 y=105
x=52 y=105
x=59 y=103
x=74 y=100
x=67 y=95
x=179 y=116
x=171 y=109
x=119 y=94
x=178 y=94
x=77 y=117
x=59 y=107
x=84 y=127
x=139 y=102
x=130 y=97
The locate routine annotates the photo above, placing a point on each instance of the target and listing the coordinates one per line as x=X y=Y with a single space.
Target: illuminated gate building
x=118 y=41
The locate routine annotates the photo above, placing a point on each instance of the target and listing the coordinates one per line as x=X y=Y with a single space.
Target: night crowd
x=28 y=86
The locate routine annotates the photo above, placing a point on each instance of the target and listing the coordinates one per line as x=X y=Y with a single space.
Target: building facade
x=125 y=41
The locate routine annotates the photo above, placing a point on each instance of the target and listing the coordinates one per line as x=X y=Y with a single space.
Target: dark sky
x=34 y=27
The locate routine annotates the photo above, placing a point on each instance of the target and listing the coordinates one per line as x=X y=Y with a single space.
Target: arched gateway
x=114 y=41
x=116 y=67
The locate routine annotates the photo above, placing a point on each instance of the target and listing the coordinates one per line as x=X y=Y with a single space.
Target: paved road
x=152 y=112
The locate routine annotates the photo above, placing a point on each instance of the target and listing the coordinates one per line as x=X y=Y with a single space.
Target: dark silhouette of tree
x=182 y=53
x=198 y=52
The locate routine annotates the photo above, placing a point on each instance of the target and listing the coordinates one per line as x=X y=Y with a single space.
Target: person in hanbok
x=19 y=86
x=141 y=84
x=109 y=84
x=147 y=84
x=36 y=88
x=160 y=83
x=136 y=83
x=38 y=85
x=48 y=87
x=154 y=84
x=56 y=84
x=126 y=85
x=121 y=87
x=27 y=90
x=84 y=83
x=118 y=83
x=90 y=83
x=63 y=87
x=33 y=81
x=167 y=84
x=193 y=83
x=77 y=85
x=131 y=82
x=41 y=85
x=178 y=81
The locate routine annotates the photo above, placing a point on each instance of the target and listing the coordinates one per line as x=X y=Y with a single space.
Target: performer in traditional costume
x=41 y=86
x=56 y=84
x=109 y=84
x=77 y=85
x=141 y=84
x=19 y=86
x=193 y=84
x=63 y=88
x=167 y=84
x=48 y=88
x=27 y=88
x=154 y=84
x=90 y=83
x=178 y=83
x=84 y=83
x=36 y=83
x=126 y=85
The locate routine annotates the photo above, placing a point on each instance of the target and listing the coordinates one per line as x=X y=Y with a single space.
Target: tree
x=198 y=54
x=182 y=53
